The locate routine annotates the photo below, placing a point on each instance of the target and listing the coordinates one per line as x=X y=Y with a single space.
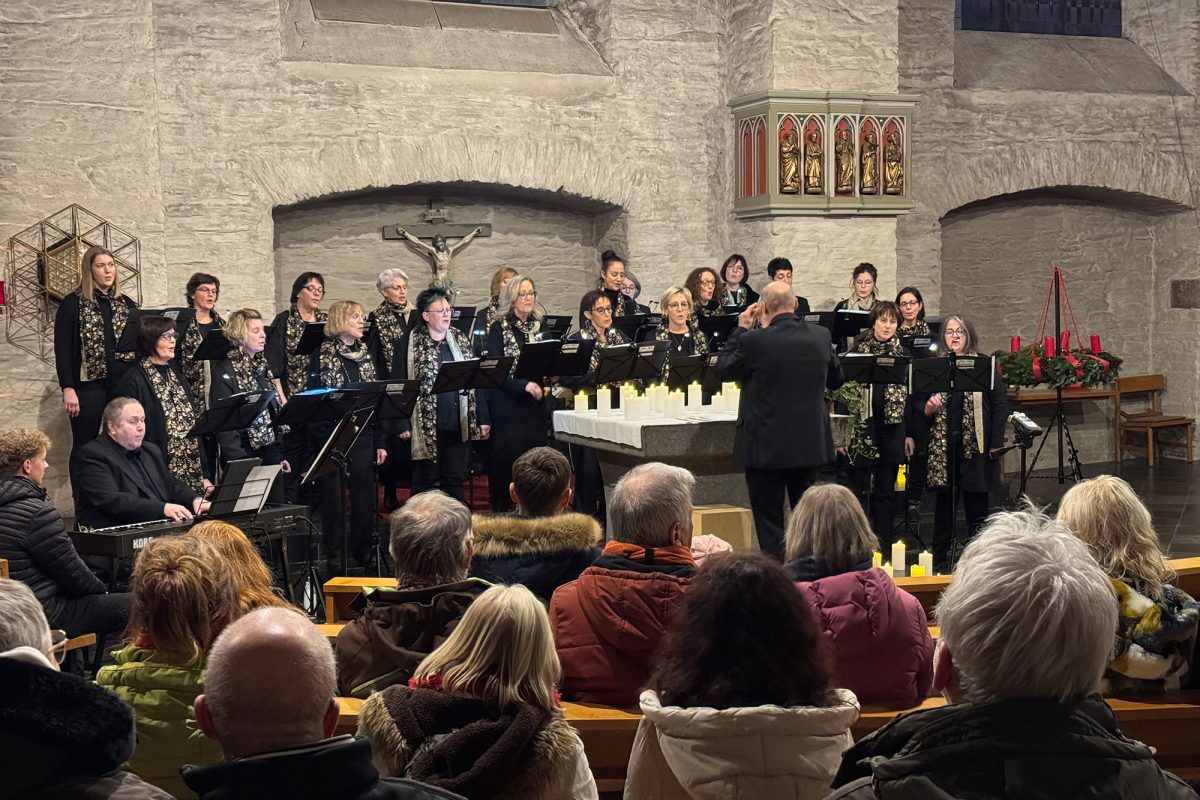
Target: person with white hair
x=608 y=622
x=389 y=321
x=1026 y=631
x=60 y=735
x=395 y=629
x=277 y=735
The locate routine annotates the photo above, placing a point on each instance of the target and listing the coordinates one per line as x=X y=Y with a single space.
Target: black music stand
x=472 y=373
x=631 y=362
x=128 y=343
x=686 y=370
x=539 y=360
x=920 y=346
x=463 y=318
x=244 y=486
x=556 y=326
x=631 y=324
x=822 y=318
x=232 y=413
x=334 y=456
x=848 y=323
x=946 y=374
x=717 y=327
x=213 y=347
x=310 y=340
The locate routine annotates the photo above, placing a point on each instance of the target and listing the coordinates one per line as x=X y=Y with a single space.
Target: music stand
x=552 y=357
x=919 y=346
x=463 y=318
x=686 y=370
x=245 y=486
x=849 y=322
x=556 y=326
x=822 y=318
x=472 y=373
x=631 y=362
x=310 y=340
x=650 y=329
x=128 y=343
x=630 y=324
x=316 y=405
x=232 y=413
x=213 y=347
x=717 y=327
x=334 y=456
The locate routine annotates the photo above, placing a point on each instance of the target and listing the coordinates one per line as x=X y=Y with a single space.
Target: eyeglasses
x=315 y=288
x=678 y=306
x=206 y=290
x=527 y=295
x=169 y=336
x=58 y=645
x=446 y=310
x=709 y=282
x=602 y=310
x=955 y=333
x=910 y=304
x=864 y=283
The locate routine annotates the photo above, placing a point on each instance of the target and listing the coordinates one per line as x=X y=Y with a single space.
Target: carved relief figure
x=814 y=161
x=870 y=153
x=843 y=150
x=789 y=163
x=893 y=165
x=440 y=253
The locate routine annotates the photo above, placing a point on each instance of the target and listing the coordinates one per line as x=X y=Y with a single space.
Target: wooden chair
x=1152 y=419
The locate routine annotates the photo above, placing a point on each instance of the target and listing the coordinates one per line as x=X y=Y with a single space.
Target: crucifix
x=437 y=228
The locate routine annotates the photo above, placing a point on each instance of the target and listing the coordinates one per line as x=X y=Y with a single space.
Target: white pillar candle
x=673 y=405
x=581 y=401
x=631 y=407
x=728 y=386
x=694 y=397
x=604 y=402
x=898 y=560
x=887 y=567
x=877 y=559
x=925 y=559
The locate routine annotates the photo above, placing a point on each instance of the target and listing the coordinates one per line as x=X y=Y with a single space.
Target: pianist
x=123 y=480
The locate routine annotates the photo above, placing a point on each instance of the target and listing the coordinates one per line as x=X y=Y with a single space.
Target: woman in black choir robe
x=736 y=277
x=193 y=324
x=597 y=325
x=967 y=427
x=612 y=283
x=491 y=312
x=343 y=359
x=171 y=408
x=389 y=325
x=246 y=370
x=913 y=324
x=518 y=412
x=889 y=423
x=708 y=294
x=679 y=328
x=87 y=326
x=294 y=373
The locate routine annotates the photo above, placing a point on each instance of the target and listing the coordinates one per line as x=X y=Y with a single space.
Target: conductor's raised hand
x=746 y=318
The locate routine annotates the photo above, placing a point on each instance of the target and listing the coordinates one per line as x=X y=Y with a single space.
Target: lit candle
x=632 y=407
x=581 y=401
x=1015 y=344
x=673 y=405
x=898 y=560
x=728 y=386
x=887 y=567
x=877 y=559
x=1095 y=344
x=695 y=399
x=917 y=571
x=604 y=402
x=925 y=559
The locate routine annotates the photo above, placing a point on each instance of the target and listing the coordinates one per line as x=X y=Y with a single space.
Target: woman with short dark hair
x=193 y=324
x=862 y=289
x=171 y=407
x=741 y=703
x=735 y=274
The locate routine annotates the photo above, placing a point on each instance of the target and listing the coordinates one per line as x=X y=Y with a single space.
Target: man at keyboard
x=123 y=480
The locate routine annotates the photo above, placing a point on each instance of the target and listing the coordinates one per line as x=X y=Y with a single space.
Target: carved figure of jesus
x=441 y=253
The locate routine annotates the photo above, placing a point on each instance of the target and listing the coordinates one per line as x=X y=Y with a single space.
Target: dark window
x=1064 y=17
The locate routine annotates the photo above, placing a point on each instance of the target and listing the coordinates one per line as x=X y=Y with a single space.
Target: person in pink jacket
x=879 y=631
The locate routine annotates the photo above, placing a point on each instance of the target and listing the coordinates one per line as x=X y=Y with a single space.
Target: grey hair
x=430 y=538
x=508 y=296
x=1029 y=614
x=22 y=619
x=386 y=277
x=112 y=411
x=968 y=329
x=252 y=710
x=648 y=501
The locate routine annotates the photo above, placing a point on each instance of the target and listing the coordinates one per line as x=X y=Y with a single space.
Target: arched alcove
x=554 y=237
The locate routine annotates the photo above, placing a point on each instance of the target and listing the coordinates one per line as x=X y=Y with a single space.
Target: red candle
x=1015 y=345
x=1048 y=347
x=1064 y=341
x=1095 y=343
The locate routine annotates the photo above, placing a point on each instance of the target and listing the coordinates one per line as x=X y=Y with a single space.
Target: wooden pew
x=3 y=567
x=330 y=630
x=340 y=592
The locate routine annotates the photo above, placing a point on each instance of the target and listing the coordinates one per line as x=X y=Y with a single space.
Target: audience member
x=539 y=546
x=183 y=594
x=276 y=734
x=1156 y=626
x=480 y=716
x=608 y=622
x=60 y=736
x=1026 y=631
x=880 y=633
x=396 y=628
x=251 y=578
x=40 y=554
x=741 y=702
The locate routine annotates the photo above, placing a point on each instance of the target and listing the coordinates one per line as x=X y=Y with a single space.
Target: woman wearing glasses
x=193 y=324
x=965 y=428
x=679 y=328
x=519 y=417
x=612 y=283
x=912 y=312
x=862 y=289
x=708 y=293
x=171 y=407
x=736 y=277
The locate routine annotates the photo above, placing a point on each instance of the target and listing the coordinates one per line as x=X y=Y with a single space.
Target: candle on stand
x=916 y=571
x=887 y=567
x=877 y=559
x=728 y=386
x=695 y=399
x=1048 y=347
x=603 y=401
x=898 y=558
x=1015 y=345
x=925 y=559
x=735 y=401
x=673 y=405
x=1095 y=344
x=581 y=401
x=1064 y=341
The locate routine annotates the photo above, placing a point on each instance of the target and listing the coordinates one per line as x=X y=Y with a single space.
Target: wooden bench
x=340 y=592
x=3 y=567
x=1151 y=420
x=330 y=630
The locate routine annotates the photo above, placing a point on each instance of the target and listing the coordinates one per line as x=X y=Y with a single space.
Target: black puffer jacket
x=1015 y=749
x=39 y=552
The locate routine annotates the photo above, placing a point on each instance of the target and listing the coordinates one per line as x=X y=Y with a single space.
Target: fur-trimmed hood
x=515 y=534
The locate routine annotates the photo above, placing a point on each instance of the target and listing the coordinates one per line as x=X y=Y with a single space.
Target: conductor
x=783 y=432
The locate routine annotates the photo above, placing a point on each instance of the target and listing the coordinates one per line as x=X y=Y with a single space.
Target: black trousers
x=589 y=483
x=877 y=484
x=298 y=454
x=362 y=504
x=946 y=539
x=100 y=614
x=449 y=472
x=767 y=488
x=93 y=395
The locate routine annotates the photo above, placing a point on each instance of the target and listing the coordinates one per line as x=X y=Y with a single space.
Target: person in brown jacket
x=608 y=622
x=396 y=628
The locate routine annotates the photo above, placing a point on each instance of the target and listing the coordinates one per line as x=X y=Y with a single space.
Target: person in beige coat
x=741 y=703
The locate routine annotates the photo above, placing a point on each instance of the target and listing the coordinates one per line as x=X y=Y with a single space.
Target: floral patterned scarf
x=510 y=326
x=91 y=333
x=391 y=323
x=181 y=411
x=297 y=365
x=333 y=371
x=423 y=362
x=939 y=436
x=895 y=395
x=918 y=328
x=699 y=341
x=194 y=371
x=613 y=338
x=252 y=374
